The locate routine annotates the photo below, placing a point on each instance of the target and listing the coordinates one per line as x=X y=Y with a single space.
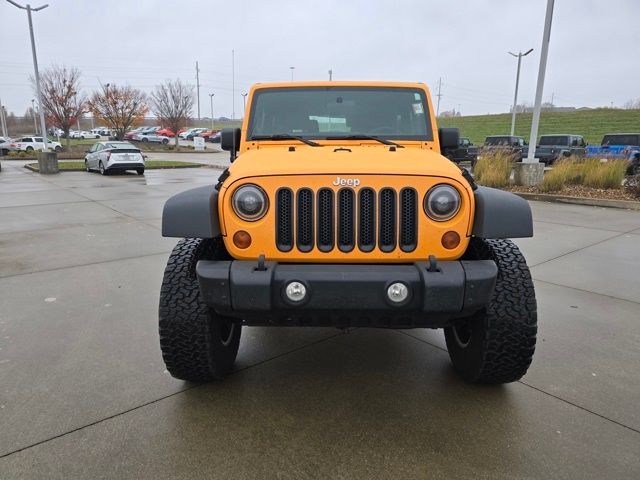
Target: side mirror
x=449 y=138
x=230 y=141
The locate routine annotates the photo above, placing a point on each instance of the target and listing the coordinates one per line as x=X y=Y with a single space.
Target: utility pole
x=439 y=95
x=330 y=74
x=198 y=88
x=35 y=66
x=515 y=97
x=539 y=87
x=233 y=85
x=244 y=104
x=211 y=95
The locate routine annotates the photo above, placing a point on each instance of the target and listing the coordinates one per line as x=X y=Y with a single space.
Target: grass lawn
x=78 y=166
x=591 y=124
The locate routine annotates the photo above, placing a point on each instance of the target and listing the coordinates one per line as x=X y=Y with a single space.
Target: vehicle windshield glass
x=554 y=140
x=499 y=141
x=621 y=139
x=119 y=145
x=321 y=112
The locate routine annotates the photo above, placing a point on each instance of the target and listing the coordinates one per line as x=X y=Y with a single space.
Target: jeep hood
x=336 y=160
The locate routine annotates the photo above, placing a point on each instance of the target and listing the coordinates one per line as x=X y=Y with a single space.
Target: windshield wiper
x=365 y=137
x=285 y=136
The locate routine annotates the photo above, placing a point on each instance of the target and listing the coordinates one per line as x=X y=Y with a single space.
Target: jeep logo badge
x=346 y=182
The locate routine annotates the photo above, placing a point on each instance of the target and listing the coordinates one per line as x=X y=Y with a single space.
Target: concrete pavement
x=84 y=394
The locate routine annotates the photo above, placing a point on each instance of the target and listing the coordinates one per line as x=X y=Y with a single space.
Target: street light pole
x=211 y=95
x=33 y=114
x=244 y=104
x=35 y=67
x=539 y=87
x=515 y=96
x=292 y=68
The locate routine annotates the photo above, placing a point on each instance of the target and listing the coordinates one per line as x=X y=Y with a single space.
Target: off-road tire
x=496 y=344
x=197 y=344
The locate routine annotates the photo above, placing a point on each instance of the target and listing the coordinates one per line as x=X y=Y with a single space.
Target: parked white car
x=107 y=157
x=83 y=134
x=29 y=144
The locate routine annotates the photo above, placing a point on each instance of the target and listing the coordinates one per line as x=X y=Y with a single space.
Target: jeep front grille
x=341 y=219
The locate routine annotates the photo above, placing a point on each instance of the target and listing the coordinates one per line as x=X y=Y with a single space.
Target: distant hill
x=592 y=124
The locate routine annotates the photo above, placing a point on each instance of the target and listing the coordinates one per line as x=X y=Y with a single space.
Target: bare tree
x=62 y=101
x=172 y=103
x=632 y=104
x=120 y=108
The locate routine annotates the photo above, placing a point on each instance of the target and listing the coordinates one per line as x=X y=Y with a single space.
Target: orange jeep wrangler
x=339 y=209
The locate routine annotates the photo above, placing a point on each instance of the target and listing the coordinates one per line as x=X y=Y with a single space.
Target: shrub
x=493 y=169
x=567 y=171
x=604 y=175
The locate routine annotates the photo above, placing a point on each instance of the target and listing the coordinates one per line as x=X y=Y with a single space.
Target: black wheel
x=145 y=139
x=496 y=345
x=58 y=149
x=29 y=149
x=165 y=140
x=197 y=344
x=101 y=168
x=140 y=171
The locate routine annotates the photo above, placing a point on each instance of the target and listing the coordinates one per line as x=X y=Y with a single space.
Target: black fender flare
x=500 y=214
x=192 y=214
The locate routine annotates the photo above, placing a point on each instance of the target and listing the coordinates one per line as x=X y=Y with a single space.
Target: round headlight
x=249 y=203
x=442 y=202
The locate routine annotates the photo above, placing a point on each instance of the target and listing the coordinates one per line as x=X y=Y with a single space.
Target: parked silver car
x=151 y=137
x=106 y=157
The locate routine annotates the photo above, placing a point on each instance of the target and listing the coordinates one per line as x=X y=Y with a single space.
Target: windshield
x=119 y=145
x=621 y=139
x=506 y=141
x=554 y=140
x=330 y=112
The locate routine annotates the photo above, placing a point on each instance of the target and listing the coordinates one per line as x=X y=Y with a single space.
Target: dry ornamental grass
x=493 y=169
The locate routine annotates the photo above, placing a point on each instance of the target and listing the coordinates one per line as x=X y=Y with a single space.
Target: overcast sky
x=594 y=56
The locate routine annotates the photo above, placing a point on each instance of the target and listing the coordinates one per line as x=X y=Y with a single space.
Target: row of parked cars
x=164 y=135
x=550 y=147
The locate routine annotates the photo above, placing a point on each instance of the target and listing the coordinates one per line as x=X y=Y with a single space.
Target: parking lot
x=84 y=393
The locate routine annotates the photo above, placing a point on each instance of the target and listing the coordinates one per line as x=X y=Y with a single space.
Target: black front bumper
x=347 y=294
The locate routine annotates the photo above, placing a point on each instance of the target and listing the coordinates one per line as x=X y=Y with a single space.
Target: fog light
x=397 y=292
x=241 y=239
x=450 y=240
x=296 y=291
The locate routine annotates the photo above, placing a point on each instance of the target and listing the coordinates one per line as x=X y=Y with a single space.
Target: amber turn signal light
x=450 y=240
x=241 y=239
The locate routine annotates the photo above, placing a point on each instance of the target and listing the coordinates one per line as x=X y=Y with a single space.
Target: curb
x=37 y=170
x=593 y=202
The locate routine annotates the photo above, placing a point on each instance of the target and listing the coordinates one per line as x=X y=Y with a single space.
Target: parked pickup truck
x=465 y=152
x=552 y=147
x=512 y=144
x=29 y=144
x=615 y=145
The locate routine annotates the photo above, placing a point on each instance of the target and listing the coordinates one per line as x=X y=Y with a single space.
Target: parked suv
x=552 y=147
x=464 y=152
x=339 y=209
x=511 y=144
x=615 y=145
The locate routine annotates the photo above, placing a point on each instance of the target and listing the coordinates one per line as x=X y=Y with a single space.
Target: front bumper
x=347 y=295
